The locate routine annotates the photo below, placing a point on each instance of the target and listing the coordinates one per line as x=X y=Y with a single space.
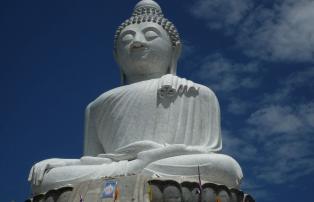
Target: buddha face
x=144 y=51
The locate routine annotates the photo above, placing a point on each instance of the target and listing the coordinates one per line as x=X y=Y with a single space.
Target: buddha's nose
x=138 y=42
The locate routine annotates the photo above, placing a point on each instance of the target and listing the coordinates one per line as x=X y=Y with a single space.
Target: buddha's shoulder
x=116 y=93
x=105 y=97
x=205 y=91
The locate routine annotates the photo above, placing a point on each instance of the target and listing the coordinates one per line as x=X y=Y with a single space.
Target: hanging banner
x=109 y=189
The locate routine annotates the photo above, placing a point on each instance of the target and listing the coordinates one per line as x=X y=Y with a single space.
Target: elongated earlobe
x=175 y=58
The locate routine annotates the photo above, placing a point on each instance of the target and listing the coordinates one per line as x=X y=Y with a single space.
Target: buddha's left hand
x=38 y=170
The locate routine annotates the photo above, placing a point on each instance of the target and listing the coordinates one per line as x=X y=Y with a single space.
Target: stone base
x=138 y=188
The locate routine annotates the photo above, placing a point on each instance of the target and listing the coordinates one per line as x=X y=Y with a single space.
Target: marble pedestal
x=138 y=188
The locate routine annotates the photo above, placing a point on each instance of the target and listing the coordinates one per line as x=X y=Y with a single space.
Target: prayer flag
x=81 y=198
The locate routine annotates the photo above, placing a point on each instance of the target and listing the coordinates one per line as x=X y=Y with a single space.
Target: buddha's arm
x=38 y=170
x=211 y=104
x=169 y=150
x=92 y=146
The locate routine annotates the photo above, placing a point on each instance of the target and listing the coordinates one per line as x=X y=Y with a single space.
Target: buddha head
x=146 y=45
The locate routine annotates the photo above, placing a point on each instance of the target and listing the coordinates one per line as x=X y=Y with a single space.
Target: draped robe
x=168 y=126
x=138 y=113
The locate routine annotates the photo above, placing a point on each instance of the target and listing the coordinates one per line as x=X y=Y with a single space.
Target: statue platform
x=139 y=188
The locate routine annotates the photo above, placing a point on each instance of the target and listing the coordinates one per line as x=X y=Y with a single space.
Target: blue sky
x=258 y=57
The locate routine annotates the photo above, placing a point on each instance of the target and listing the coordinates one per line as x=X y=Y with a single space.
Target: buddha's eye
x=151 y=35
x=127 y=38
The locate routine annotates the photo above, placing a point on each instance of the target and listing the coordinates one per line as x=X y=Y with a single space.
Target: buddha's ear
x=178 y=48
x=122 y=75
x=175 y=58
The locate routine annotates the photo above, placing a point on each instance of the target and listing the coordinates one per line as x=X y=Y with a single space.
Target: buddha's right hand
x=38 y=170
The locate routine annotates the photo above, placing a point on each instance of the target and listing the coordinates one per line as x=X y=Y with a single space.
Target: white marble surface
x=156 y=123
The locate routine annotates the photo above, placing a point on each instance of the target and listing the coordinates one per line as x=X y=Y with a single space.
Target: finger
x=34 y=181
x=37 y=173
x=30 y=175
x=180 y=90
x=190 y=85
x=41 y=174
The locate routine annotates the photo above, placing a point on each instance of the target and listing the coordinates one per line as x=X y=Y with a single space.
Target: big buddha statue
x=155 y=124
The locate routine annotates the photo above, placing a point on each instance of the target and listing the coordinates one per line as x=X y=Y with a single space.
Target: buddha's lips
x=142 y=51
x=139 y=48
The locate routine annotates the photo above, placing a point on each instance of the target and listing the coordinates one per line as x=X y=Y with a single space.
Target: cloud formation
x=283 y=131
x=278 y=128
x=299 y=81
x=276 y=119
x=225 y=75
x=269 y=127
x=221 y=13
x=282 y=31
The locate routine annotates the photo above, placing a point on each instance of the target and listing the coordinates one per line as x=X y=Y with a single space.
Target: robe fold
x=157 y=126
x=189 y=115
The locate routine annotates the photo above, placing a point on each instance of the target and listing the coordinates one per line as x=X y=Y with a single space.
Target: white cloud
x=221 y=13
x=238 y=106
x=224 y=75
x=276 y=119
x=297 y=81
x=285 y=138
x=308 y=112
x=284 y=131
x=258 y=192
x=278 y=136
x=281 y=169
x=283 y=31
x=238 y=147
x=281 y=147
x=187 y=49
x=301 y=78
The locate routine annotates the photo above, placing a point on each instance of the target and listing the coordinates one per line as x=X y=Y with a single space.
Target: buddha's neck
x=138 y=78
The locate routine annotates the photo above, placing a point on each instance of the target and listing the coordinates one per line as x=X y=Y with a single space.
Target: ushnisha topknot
x=149 y=11
x=147 y=7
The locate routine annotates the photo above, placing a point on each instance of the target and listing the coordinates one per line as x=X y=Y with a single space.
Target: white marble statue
x=155 y=124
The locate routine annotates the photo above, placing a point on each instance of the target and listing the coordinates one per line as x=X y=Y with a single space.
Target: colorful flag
x=116 y=194
x=199 y=178
x=81 y=198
